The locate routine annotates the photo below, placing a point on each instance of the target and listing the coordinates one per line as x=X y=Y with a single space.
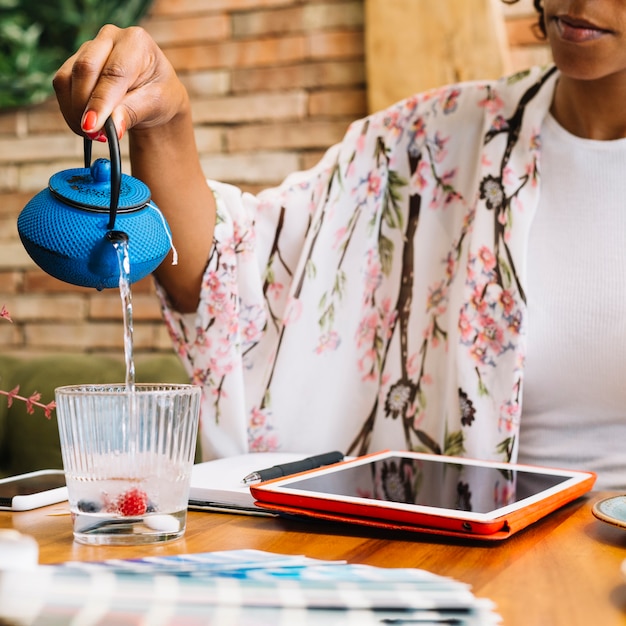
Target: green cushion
x=7 y=365
x=31 y=441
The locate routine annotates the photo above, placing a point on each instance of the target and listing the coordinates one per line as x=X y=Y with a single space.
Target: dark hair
x=541 y=26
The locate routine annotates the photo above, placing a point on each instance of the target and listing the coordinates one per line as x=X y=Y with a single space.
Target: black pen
x=286 y=469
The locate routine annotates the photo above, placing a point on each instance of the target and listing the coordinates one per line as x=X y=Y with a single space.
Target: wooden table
x=564 y=570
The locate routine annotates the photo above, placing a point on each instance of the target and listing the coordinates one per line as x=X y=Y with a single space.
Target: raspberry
x=132 y=502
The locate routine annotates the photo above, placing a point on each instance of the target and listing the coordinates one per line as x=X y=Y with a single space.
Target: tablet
x=415 y=491
x=32 y=490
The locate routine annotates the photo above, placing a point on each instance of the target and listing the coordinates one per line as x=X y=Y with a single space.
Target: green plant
x=36 y=37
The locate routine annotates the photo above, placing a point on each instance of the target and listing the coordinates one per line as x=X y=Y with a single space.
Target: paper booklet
x=243 y=587
x=217 y=485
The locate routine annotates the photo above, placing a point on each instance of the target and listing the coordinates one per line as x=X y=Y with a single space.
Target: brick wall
x=273 y=83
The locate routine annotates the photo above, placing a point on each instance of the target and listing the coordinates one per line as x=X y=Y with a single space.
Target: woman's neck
x=591 y=109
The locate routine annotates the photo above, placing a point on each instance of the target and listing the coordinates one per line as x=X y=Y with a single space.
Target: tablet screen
x=429 y=482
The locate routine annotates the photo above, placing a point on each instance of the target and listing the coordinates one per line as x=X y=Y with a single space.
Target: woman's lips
x=577 y=30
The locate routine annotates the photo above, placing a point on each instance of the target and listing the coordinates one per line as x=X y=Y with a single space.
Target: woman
x=455 y=254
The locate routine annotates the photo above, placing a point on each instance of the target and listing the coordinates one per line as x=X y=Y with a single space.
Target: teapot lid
x=90 y=188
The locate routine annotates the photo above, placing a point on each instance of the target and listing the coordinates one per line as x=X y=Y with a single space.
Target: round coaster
x=611 y=510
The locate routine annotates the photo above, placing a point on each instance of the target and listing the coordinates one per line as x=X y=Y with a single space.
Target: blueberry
x=87 y=506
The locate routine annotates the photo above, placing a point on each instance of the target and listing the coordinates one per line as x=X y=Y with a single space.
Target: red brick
x=175 y=31
x=238 y=54
x=336 y=45
x=302 y=18
x=310 y=74
x=251 y=107
x=11 y=203
x=338 y=102
x=108 y=306
x=10 y=282
x=181 y=7
x=304 y=134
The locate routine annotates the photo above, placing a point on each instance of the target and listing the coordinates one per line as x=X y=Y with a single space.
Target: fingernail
x=89 y=120
x=97 y=136
x=121 y=129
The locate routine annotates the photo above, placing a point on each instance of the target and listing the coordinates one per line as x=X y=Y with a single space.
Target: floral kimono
x=378 y=300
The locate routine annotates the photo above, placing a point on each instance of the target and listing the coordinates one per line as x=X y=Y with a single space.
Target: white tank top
x=574 y=403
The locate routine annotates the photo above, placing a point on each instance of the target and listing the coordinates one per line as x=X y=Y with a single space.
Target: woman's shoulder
x=457 y=105
x=510 y=86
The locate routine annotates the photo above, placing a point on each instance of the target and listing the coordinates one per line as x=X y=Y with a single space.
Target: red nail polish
x=89 y=120
x=97 y=136
x=121 y=129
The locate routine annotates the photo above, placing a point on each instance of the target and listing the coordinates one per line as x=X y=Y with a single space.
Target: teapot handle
x=116 y=166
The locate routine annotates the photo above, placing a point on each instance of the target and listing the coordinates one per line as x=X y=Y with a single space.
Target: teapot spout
x=104 y=260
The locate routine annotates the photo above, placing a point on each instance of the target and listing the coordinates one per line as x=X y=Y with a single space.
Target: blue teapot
x=73 y=228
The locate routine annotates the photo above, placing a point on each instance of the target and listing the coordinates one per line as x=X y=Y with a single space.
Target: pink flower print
x=492 y=102
x=418 y=418
x=478 y=353
x=413 y=365
x=251 y=332
x=532 y=172
x=436 y=298
x=367 y=364
x=394 y=122
x=507 y=301
x=421 y=176
x=508 y=176
x=275 y=289
x=515 y=323
x=263 y=443
x=212 y=281
x=440 y=151
x=450 y=100
x=373 y=274
x=327 y=341
x=257 y=418
x=499 y=123
x=360 y=143
x=367 y=330
x=388 y=318
x=509 y=416
x=451 y=263
x=465 y=327
x=338 y=239
x=490 y=334
x=419 y=128
x=535 y=141
x=477 y=299
x=373 y=184
x=487 y=258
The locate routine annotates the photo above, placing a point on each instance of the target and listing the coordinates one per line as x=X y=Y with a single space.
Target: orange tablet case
x=375 y=514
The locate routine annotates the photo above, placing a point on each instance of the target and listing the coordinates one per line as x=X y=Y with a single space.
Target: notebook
x=217 y=485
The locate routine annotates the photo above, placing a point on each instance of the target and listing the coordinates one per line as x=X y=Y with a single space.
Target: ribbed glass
x=115 y=441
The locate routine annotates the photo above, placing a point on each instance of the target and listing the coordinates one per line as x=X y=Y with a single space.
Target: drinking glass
x=127 y=455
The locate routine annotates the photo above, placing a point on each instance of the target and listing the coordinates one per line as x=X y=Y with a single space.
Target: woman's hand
x=123 y=73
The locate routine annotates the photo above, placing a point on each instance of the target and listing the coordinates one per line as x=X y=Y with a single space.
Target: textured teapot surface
x=66 y=228
x=90 y=188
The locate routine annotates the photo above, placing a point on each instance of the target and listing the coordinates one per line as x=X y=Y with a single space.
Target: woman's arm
x=122 y=73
